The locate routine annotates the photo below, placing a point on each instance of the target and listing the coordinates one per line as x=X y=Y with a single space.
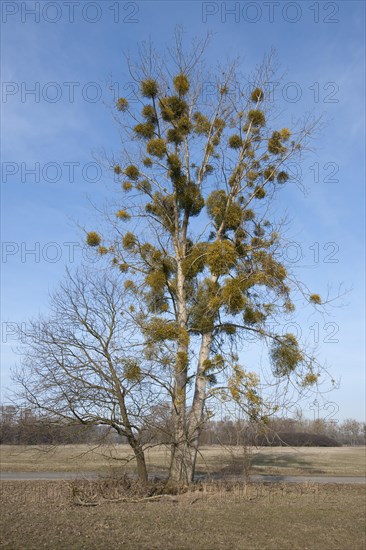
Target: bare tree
x=83 y=363
x=351 y=431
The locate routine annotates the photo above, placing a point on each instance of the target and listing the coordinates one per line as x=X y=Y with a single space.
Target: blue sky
x=320 y=46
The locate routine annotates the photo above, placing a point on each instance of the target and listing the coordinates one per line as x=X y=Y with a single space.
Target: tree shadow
x=284 y=461
x=266 y=463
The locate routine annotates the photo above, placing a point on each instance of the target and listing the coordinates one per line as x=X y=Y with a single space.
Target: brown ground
x=38 y=515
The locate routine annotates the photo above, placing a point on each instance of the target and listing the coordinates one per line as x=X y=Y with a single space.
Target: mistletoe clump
x=93 y=239
x=156 y=147
x=145 y=130
x=286 y=355
x=315 y=299
x=256 y=117
x=149 y=88
x=181 y=84
x=122 y=104
x=159 y=330
x=221 y=257
x=257 y=95
x=132 y=172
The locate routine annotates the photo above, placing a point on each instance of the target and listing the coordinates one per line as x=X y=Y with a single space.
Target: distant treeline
x=19 y=426
x=283 y=431
x=23 y=427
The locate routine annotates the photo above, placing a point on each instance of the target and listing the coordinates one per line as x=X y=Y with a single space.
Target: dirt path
x=54 y=476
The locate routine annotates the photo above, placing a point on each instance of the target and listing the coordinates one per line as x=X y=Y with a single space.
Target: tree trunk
x=141 y=464
x=196 y=414
x=180 y=457
x=133 y=442
x=180 y=465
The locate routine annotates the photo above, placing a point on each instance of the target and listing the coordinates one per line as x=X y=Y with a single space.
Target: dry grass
x=324 y=461
x=342 y=461
x=309 y=517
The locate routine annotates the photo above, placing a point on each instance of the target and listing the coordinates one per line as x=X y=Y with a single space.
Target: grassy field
x=341 y=461
x=263 y=516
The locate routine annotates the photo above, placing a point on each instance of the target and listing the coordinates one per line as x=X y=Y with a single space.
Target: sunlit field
x=338 y=461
